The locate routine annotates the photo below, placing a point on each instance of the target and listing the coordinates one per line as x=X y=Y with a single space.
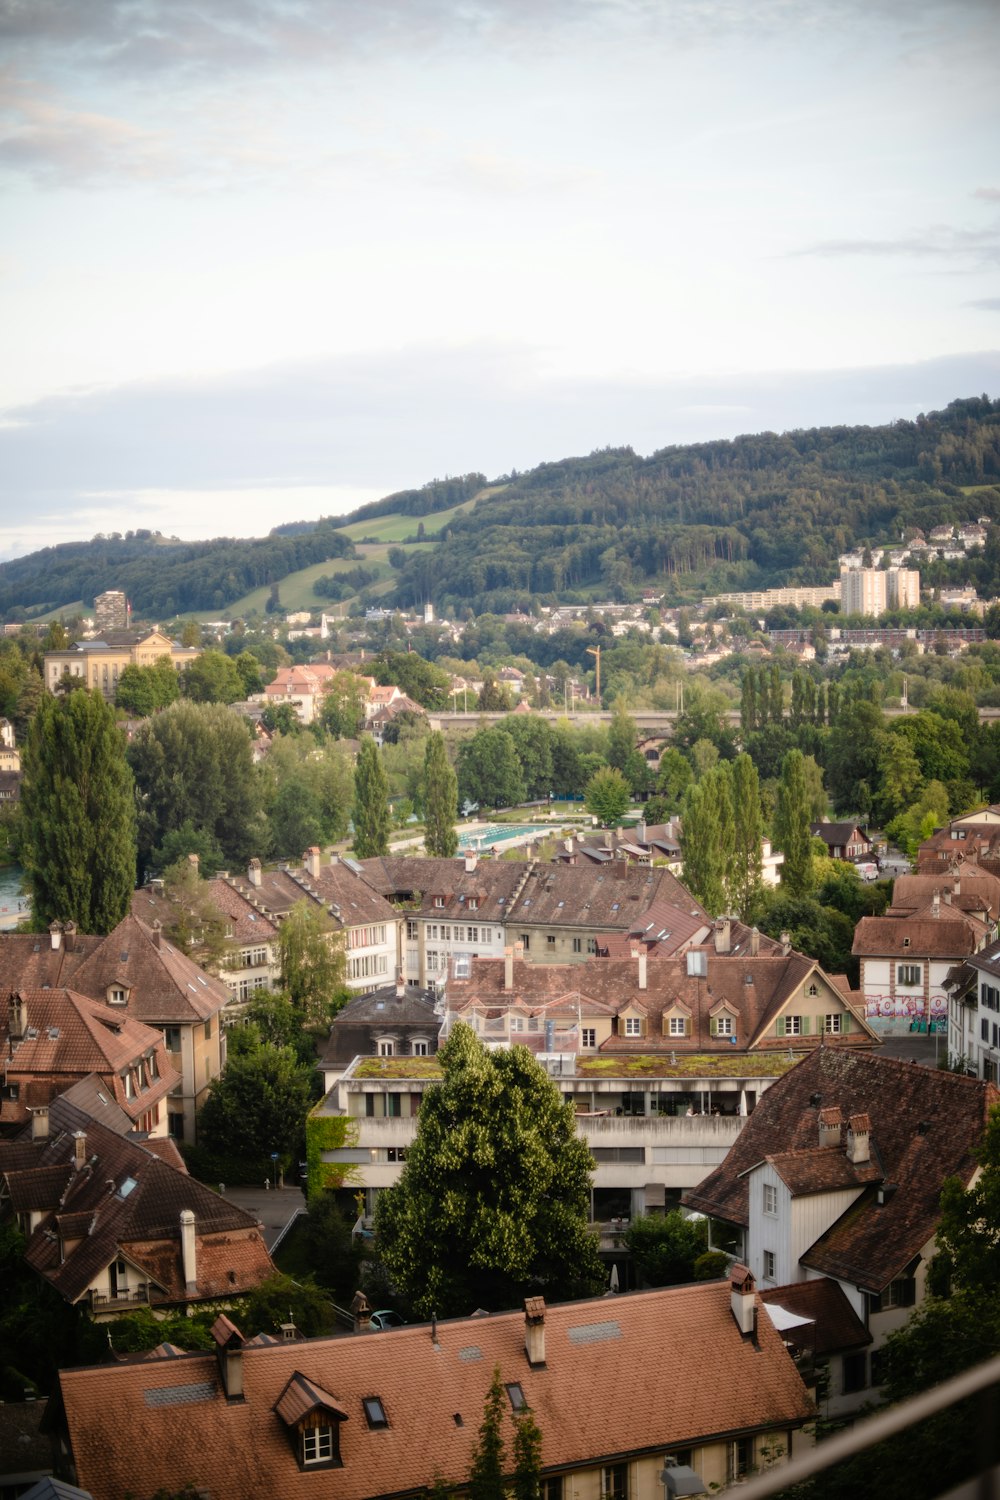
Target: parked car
x=386 y=1318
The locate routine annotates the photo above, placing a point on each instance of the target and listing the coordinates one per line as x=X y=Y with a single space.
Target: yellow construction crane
x=595 y=652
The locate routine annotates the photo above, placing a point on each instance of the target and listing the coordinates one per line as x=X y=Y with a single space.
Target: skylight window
x=374 y=1411
x=127 y=1186
x=516 y=1395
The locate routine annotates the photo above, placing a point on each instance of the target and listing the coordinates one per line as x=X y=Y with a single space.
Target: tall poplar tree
x=791 y=825
x=78 y=825
x=440 y=800
x=371 y=803
x=707 y=829
x=748 y=831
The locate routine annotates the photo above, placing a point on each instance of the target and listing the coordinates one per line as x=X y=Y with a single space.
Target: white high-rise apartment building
x=871 y=591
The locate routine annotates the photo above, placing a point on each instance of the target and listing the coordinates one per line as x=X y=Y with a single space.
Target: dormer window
x=117 y=995
x=317 y=1445
x=473 y=903
x=439 y=902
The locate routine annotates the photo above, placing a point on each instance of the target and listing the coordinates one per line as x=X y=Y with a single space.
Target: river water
x=14 y=906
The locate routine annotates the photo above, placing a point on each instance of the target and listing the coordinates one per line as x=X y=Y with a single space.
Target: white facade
x=433 y=949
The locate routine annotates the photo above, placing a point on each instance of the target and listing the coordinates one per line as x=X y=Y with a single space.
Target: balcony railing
x=132 y=1296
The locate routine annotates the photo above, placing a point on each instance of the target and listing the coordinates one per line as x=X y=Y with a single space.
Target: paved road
x=916 y=1048
x=274 y=1208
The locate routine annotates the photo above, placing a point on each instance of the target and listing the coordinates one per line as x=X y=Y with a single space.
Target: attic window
x=812 y=990
x=374 y=1411
x=317 y=1445
x=439 y=901
x=516 y=1394
x=116 y=995
x=473 y=903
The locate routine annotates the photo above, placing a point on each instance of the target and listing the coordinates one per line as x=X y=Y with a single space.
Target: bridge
x=650 y=720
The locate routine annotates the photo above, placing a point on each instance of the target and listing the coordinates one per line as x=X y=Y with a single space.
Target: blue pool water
x=496 y=833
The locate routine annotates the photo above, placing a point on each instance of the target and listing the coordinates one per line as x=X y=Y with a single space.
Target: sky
x=265 y=260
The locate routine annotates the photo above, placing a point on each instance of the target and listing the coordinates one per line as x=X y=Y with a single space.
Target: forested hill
x=713 y=516
x=162 y=577
x=704 y=518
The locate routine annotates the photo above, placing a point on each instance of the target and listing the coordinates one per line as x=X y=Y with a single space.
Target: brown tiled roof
x=349 y=897
x=836 y=1327
x=164 y=985
x=823 y=1169
x=404 y=877
x=608 y=983
x=586 y=1398
x=973 y=889
x=952 y=935
x=29 y=961
x=144 y=1221
x=925 y=1126
x=67 y=1037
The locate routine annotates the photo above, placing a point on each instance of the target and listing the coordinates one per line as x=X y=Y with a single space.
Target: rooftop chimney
x=947 y=897
x=471 y=861
x=157 y=933
x=69 y=936
x=936 y=904
x=229 y=1350
x=754 y=942
x=194 y=862
x=508 y=969
x=858 y=1142
x=534 y=1331
x=956 y=886
x=742 y=1300
x=519 y=951
x=830 y=1121
x=79 y=1149
x=55 y=936
x=40 y=1123
x=254 y=872
x=723 y=934
x=362 y=1312
x=189 y=1250
x=18 y=1017
x=310 y=861
x=786 y=944
x=400 y=986
x=640 y=954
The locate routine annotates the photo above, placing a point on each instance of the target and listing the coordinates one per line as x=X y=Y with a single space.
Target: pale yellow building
x=99 y=663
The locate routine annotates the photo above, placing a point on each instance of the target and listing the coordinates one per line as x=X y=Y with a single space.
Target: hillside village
x=798 y=1063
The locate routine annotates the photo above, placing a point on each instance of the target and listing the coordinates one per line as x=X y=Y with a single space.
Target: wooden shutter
x=780 y=1026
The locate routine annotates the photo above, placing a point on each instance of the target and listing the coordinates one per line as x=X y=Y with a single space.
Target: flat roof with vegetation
x=695 y=1065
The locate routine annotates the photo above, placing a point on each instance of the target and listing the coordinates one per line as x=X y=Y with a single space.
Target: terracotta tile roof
x=134 y=1201
x=586 y=1398
x=151 y=903
x=68 y=1037
x=613 y=984
x=29 y=961
x=823 y=1169
x=406 y=878
x=925 y=1126
x=973 y=889
x=346 y=893
x=835 y=1326
x=164 y=985
x=954 y=935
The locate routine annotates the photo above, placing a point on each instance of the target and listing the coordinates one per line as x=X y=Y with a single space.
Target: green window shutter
x=780 y=1026
x=845 y=1022
x=713 y=1027
x=806 y=1022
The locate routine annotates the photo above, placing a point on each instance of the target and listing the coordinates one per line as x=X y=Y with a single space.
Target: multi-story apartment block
x=111 y=611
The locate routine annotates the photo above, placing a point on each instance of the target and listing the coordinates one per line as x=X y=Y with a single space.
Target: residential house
x=383 y=710
x=838 y=1173
x=827 y=1339
x=136 y=972
x=112 y=1223
x=906 y=960
x=394 y=1021
x=359 y=916
x=99 y=663
x=974 y=1014
x=300 y=686
x=842 y=840
x=395 y=1412
x=51 y=1039
x=253 y=962
x=965 y=886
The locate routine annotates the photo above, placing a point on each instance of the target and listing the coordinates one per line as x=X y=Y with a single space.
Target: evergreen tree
x=791 y=826
x=706 y=823
x=489 y=1454
x=372 y=820
x=440 y=800
x=622 y=736
x=527 y=1456
x=78 y=829
x=748 y=831
x=748 y=701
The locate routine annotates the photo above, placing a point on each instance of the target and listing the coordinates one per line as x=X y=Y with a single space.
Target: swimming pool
x=496 y=833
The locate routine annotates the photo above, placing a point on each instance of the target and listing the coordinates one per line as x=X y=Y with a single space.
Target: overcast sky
x=264 y=260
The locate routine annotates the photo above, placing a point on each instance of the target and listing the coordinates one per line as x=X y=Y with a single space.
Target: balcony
x=121 y=1300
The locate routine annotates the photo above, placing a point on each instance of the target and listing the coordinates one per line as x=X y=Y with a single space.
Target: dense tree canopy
x=78 y=826
x=493 y=1200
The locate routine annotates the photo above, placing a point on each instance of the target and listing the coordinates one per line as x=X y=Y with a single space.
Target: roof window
x=374 y=1411
x=516 y=1395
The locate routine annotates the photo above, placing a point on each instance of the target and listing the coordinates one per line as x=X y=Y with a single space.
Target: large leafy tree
x=372 y=819
x=78 y=828
x=440 y=800
x=608 y=795
x=666 y=1247
x=492 y=1203
x=193 y=763
x=489 y=771
x=312 y=962
x=257 y=1106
